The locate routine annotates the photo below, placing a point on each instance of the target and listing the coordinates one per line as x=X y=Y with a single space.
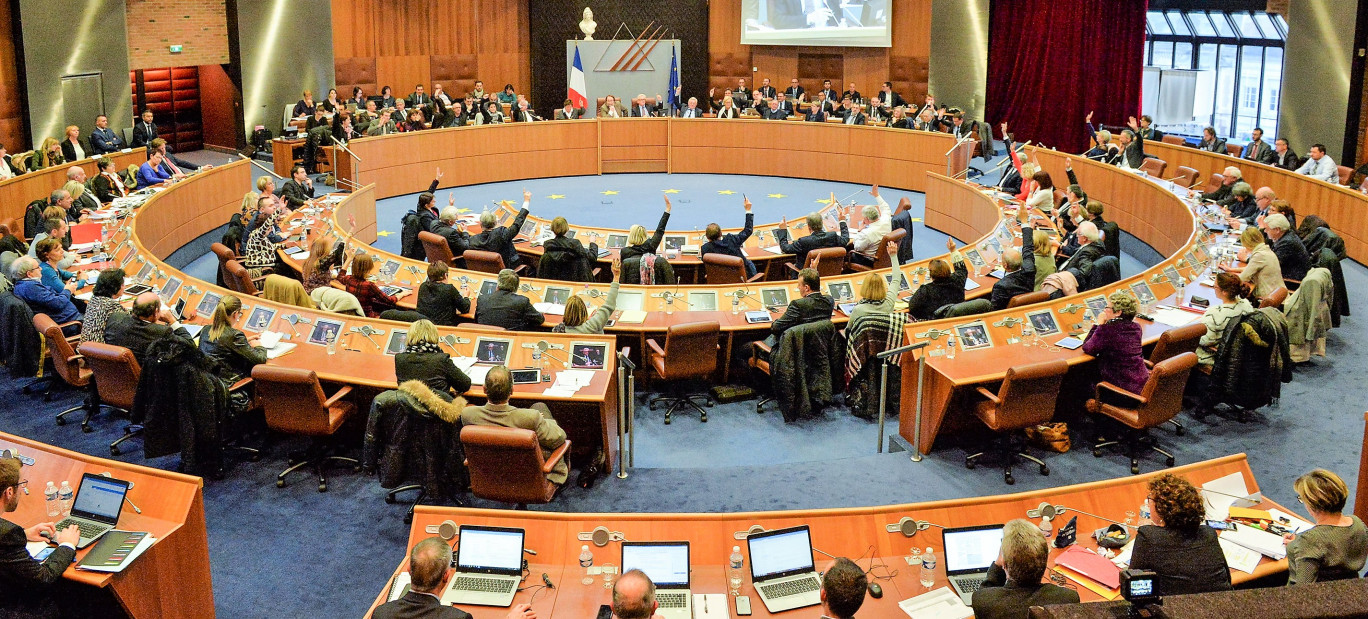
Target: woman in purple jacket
x=1115 y=342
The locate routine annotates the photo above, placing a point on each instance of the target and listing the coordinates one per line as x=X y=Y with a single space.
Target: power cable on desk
x=874 y=563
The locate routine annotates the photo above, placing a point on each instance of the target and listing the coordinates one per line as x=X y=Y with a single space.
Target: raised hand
x=874 y=191
x=892 y=248
x=451 y=199
x=1068 y=163
x=950 y=244
x=712 y=91
x=1088 y=118
x=439 y=173
x=747 y=203
x=1004 y=129
x=1133 y=124
x=527 y=196
x=616 y=267
x=668 y=206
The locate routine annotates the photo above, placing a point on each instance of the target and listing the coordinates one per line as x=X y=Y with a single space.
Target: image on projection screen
x=852 y=23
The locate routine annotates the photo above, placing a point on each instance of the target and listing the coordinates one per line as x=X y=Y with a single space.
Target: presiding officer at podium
x=26 y=584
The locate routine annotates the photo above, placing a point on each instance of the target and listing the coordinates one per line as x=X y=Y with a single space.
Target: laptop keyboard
x=792 y=587
x=672 y=600
x=483 y=585
x=968 y=585
x=88 y=529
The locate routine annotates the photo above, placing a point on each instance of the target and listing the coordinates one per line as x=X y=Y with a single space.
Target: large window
x=1237 y=60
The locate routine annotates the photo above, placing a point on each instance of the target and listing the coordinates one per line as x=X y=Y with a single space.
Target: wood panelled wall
x=13 y=131
x=400 y=43
x=904 y=64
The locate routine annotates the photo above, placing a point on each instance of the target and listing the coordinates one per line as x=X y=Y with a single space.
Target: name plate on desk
x=937 y=352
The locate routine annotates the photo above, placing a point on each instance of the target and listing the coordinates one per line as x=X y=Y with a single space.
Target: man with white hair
x=29 y=286
x=1292 y=255
x=878 y=223
x=1019 y=275
x=1232 y=176
x=640 y=108
x=500 y=239
x=1013 y=584
x=87 y=201
x=1089 y=251
x=1263 y=197
x=455 y=235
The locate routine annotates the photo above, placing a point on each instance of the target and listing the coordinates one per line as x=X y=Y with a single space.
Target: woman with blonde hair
x=1334 y=549
x=236 y=351
x=423 y=360
x=878 y=296
x=72 y=149
x=577 y=319
x=318 y=267
x=76 y=190
x=639 y=245
x=1043 y=252
x=47 y=155
x=1261 y=264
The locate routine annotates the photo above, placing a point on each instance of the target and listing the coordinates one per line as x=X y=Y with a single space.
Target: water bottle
x=928 y=569
x=64 y=495
x=332 y=344
x=53 y=507
x=1182 y=296
x=950 y=348
x=1145 y=510
x=1046 y=527
x=586 y=559
x=736 y=559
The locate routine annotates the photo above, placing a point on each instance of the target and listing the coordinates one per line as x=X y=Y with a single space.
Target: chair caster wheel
x=711 y=403
x=667 y=420
x=1044 y=470
x=389 y=499
x=1168 y=462
x=654 y=407
x=1181 y=431
x=408 y=518
x=1097 y=453
x=254 y=458
x=113 y=451
x=61 y=421
x=759 y=409
x=87 y=429
x=322 y=487
x=280 y=483
x=1135 y=467
x=970 y=464
x=705 y=418
x=1009 y=479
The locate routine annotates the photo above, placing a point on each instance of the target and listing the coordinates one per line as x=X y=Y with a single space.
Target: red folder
x=85 y=233
x=1092 y=565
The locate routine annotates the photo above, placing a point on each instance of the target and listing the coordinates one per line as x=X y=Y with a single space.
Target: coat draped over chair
x=1309 y=316
x=806 y=368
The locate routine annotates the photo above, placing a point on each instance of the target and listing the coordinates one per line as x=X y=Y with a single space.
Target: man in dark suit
x=822 y=102
x=1283 y=157
x=26 y=584
x=641 y=108
x=506 y=308
x=1019 y=277
x=829 y=93
x=730 y=244
x=1132 y=146
x=147 y=323
x=794 y=92
x=103 y=139
x=569 y=111
x=144 y=131
x=429 y=570
x=418 y=98
x=816 y=113
x=500 y=240
x=1292 y=255
x=818 y=239
x=1013 y=582
x=299 y=189
x=886 y=100
x=774 y=112
x=456 y=237
x=766 y=90
x=522 y=113
x=812 y=306
x=854 y=116
x=1090 y=250
x=1257 y=149
x=691 y=110
x=1111 y=232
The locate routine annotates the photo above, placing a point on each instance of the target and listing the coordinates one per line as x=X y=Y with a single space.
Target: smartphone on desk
x=605 y=612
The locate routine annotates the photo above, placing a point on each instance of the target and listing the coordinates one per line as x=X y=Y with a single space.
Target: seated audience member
x=1018 y=274
x=1042 y=197
x=577 y=318
x=144 y=131
x=691 y=109
x=429 y=568
x=877 y=295
x=1043 y=255
x=507 y=95
x=640 y=246
x=238 y=352
x=568 y=111
x=1263 y=199
x=878 y=223
x=498 y=386
x=852 y=94
x=1109 y=233
x=387 y=99
x=424 y=360
x=1230 y=176
x=55 y=228
x=818 y=239
x=104 y=140
x=72 y=147
x=816 y=113
x=728 y=108
x=1230 y=292
x=82 y=202
x=317 y=119
x=171 y=164
x=373 y=300
x=1147 y=129
x=843 y=589
x=108 y=185
x=810 y=306
x=263 y=240
x=47 y=155
x=446 y=226
x=1090 y=250
x=299 y=189
x=493 y=114
x=1261 y=265
x=1336 y=547
x=1284 y=208
x=854 y=116
x=150 y=172
x=29 y=587
x=1132 y=147
x=641 y=107
x=1178 y=546
x=382 y=125
x=1103 y=150
x=440 y=301
x=1283 y=156
x=785 y=105
x=1319 y=165
x=774 y=111
x=28 y=286
x=566 y=258
x=731 y=244
x=504 y=307
x=899 y=119
x=945 y=288
x=318 y=268
x=7 y=170
x=611 y=108
x=359 y=97
x=1292 y=255
x=1241 y=203
x=523 y=113
x=305 y=106
x=1013 y=584
x=10 y=242
x=1114 y=341
x=634 y=596
x=1211 y=143
x=147 y=323
x=50 y=253
x=500 y=239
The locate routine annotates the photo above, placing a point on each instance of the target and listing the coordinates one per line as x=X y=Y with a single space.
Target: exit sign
x=175 y=49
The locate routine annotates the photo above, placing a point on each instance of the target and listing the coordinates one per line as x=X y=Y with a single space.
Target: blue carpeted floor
x=739 y=460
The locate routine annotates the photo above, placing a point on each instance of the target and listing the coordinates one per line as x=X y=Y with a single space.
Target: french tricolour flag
x=576 y=94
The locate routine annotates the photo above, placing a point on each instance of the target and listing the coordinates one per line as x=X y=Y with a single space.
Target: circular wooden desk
x=17 y=192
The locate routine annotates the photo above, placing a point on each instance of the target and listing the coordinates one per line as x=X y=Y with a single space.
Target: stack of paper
x=550 y=309
x=1238 y=557
x=477 y=373
x=939 y=603
x=1258 y=540
x=635 y=317
x=1173 y=317
x=1220 y=494
x=710 y=606
x=970 y=284
x=464 y=363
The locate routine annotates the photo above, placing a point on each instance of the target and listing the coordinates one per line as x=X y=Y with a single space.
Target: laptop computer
x=969 y=552
x=95 y=510
x=488 y=567
x=782 y=569
x=667 y=564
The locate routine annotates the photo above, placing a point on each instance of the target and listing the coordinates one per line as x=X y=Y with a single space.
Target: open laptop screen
x=780 y=553
x=490 y=550
x=972 y=548
x=99 y=498
x=666 y=563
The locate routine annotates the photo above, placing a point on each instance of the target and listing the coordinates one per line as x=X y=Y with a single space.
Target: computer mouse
x=875 y=591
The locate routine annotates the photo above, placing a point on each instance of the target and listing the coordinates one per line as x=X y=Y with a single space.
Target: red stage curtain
x=1050 y=62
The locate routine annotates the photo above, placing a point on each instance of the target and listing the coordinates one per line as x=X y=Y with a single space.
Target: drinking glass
x=607 y=576
x=734 y=579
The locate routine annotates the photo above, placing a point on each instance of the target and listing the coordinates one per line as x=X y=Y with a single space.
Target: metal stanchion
x=883 y=390
x=626 y=411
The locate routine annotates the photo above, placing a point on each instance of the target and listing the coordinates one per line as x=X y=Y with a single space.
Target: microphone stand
x=264 y=168
x=883 y=391
x=353 y=185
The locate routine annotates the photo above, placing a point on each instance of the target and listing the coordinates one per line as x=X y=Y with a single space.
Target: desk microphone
x=547 y=579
